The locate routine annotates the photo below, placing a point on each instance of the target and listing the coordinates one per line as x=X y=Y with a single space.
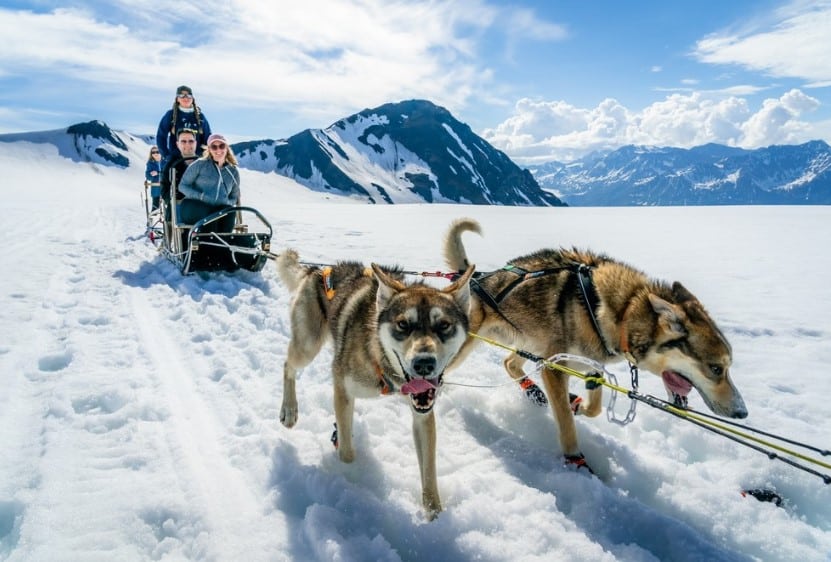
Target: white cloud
x=778 y=120
x=351 y=54
x=555 y=130
x=794 y=45
x=526 y=24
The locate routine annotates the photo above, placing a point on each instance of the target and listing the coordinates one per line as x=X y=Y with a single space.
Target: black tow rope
x=734 y=431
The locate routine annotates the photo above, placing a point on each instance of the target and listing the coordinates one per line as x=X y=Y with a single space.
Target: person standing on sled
x=209 y=185
x=185 y=114
x=153 y=176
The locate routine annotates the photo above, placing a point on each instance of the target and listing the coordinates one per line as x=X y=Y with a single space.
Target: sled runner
x=154 y=228
x=198 y=248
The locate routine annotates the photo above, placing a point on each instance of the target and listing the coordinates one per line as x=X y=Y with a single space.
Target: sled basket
x=199 y=249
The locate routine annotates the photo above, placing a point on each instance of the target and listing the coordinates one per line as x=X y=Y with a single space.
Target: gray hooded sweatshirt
x=207 y=182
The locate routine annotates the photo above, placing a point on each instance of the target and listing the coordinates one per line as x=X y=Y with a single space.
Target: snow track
x=128 y=398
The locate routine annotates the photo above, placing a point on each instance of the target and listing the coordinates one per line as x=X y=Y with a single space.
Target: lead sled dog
x=587 y=304
x=389 y=338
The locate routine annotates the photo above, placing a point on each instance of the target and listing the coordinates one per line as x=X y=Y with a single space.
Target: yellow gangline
x=670 y=408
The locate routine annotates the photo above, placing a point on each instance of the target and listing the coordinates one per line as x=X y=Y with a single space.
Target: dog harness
x=582 y=272
x=329 y=285
x=387 y=386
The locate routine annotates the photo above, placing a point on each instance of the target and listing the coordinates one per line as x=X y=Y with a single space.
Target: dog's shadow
x=611 y=519
x=349 y=505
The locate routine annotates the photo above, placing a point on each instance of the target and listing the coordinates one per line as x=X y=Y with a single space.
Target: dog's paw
x=533 y=392
x=345 y=454
x=431 y=504
x=288 y=415
x=577 y=462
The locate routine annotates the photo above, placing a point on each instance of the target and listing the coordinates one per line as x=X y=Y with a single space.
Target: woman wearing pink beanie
x=211 y=184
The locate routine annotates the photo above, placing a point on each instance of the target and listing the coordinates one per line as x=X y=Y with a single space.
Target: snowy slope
x=139 y=409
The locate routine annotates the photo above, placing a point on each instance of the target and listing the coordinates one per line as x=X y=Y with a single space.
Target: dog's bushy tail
x=455 y=255
x=290 y=270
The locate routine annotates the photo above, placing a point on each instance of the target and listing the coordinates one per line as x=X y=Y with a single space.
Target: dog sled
x=204 y=247
x=199 y=247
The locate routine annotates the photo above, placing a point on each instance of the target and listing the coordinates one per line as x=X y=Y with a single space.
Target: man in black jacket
x=175 y=168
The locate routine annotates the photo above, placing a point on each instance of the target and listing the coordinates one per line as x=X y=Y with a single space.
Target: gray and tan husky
x=587 y=304
x=389 y=338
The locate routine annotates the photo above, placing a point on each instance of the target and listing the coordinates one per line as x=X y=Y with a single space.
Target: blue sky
x=540 y=80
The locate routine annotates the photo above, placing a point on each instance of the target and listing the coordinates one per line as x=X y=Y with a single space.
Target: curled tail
x=455 y=255
x=290 y=270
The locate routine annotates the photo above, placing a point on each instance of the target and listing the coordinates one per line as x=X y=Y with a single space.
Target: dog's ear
x=387 y=286
x=670 y=316
x=460 y=289
x=681 y=294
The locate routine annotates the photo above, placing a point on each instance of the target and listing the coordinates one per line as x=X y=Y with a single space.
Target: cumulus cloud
x=351 y=54
x=789 y=43
x=540 y=131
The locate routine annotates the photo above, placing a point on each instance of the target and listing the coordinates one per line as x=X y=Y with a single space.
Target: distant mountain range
x=417 y=152
x=706 y=175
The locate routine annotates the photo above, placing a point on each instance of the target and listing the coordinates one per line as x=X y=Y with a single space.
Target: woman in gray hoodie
x=209 y=185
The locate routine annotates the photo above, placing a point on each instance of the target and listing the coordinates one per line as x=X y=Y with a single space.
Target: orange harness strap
x=386 y=388
x=326 y=274
x=329 y=286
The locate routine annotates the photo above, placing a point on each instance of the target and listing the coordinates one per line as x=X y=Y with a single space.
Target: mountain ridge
x=710 y=174
x=410 y=151
x=417 y=152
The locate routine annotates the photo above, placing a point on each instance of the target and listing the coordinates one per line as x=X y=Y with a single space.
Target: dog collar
x=387 y=386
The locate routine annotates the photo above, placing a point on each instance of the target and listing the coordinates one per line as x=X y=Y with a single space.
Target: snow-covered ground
x=139 y=408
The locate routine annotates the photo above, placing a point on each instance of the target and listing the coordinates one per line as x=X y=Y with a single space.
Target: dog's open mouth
x=422 y=394
x=678 y=386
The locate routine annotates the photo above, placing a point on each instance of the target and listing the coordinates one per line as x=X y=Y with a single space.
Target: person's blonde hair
x=150 y=156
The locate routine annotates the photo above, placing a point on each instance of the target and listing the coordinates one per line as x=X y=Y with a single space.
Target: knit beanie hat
x=184 y=90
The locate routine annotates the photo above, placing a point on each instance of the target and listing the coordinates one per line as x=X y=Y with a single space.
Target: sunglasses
x=186 y=96
x=217 y=146
x=154 y=152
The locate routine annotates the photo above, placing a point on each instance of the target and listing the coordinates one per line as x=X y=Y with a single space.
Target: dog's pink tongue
x=676 y=383
x=417 y=386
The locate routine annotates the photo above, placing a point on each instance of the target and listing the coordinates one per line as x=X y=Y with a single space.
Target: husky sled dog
x=389 y=338
x=578 y=302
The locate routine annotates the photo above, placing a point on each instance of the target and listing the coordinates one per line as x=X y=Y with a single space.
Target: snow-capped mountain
x=407 y=152
x=94 y=142
x=706 y=175
x=416 y=152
